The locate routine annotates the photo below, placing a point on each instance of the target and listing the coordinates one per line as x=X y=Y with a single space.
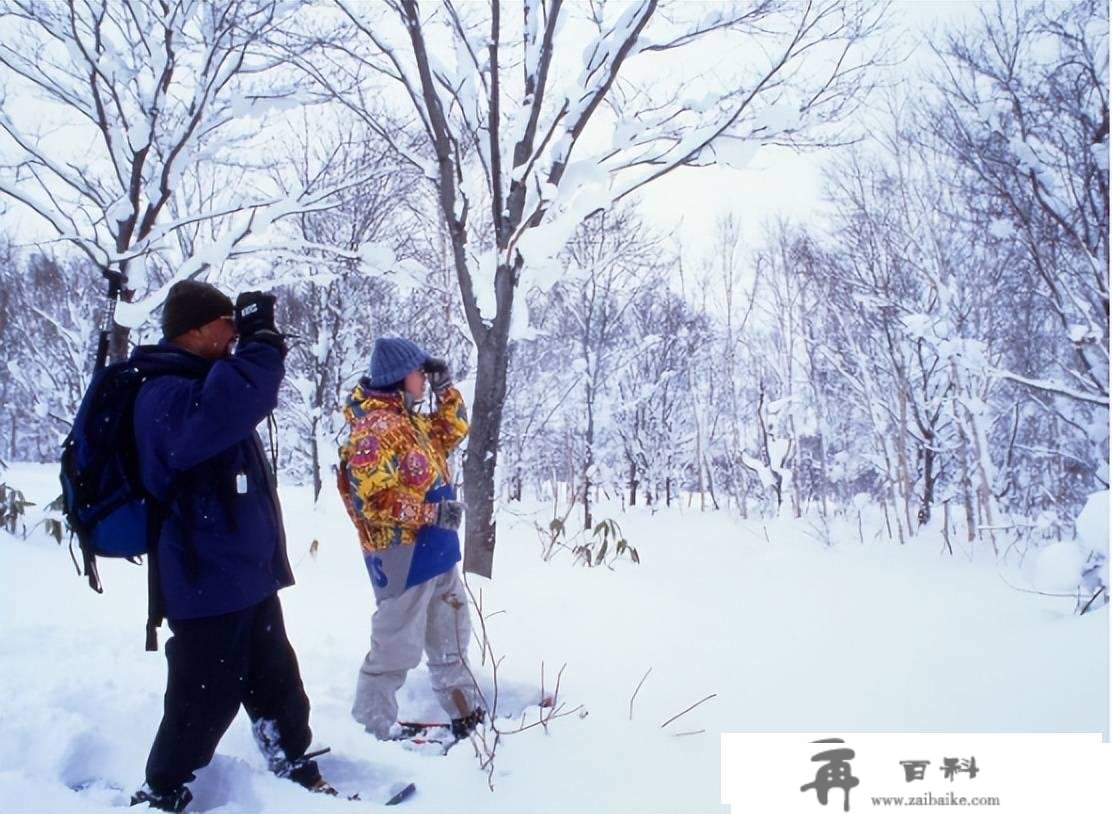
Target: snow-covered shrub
x=1092 y=535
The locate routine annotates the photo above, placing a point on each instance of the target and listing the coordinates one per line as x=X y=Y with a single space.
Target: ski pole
x=115 y=283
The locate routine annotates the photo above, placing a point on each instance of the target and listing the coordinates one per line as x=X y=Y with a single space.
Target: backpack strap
x=91 y=571
x=155 y=608
x=88 y=560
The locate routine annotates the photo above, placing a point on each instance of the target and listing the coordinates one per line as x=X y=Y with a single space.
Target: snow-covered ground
x=787 y=633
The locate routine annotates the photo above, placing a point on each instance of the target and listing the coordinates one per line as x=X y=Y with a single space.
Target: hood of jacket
x=169 y=359
x=364 y=400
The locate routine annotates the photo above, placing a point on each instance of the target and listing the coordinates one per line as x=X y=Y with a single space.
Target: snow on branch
x=520 y=134
x=784 y=99
x=1050 y=387
x=147 y=90
x=815 y=75
x=737 y=18
x=250 y=220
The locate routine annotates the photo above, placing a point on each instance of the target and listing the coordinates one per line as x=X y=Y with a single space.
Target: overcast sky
x=688 y=202
x=779 y=181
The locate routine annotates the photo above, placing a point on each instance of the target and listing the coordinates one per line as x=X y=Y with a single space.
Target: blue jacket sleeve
x=184 y=422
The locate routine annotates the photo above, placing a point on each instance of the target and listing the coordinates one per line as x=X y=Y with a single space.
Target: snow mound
x=1058 y=567
x=1092 y=523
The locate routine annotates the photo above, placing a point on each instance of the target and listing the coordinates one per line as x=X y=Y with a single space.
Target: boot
x=322 y=786
x=462 y=727
x=175 y=800
x=303 y=770
x=305 y=773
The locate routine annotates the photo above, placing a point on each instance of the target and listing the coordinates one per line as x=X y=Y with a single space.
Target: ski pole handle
x=115 y=283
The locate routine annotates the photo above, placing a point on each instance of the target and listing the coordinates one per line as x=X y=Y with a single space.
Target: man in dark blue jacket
x=221 y=553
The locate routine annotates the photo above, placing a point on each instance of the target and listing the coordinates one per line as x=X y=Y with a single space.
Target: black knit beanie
x=191 y=304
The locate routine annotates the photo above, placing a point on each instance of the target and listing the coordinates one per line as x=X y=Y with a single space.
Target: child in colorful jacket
x=396 y=487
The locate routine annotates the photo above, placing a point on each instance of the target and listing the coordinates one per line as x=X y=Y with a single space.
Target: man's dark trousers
x=214 y=664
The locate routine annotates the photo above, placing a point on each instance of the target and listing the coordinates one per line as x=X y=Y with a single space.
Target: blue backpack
x=103 y=498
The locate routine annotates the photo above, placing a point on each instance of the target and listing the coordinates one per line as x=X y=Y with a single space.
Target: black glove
x=254 y=312
x=255 y=320
x=438 y=374
x=449 y=514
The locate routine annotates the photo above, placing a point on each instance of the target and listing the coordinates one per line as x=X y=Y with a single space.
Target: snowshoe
x=436 y=737
x=175 y=800
x=403 y=794
x=463 y=727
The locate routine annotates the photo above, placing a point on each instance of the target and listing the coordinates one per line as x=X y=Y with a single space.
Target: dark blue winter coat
x=221 y=547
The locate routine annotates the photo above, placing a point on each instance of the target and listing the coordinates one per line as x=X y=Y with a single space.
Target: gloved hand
x=254 y=312
x=449 y=514
x=255 y=319
x=438 y=373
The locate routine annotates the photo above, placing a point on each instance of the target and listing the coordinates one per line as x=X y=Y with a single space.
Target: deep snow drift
x=787 y=633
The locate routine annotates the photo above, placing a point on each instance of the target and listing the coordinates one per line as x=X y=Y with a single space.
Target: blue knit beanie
x=392 y=359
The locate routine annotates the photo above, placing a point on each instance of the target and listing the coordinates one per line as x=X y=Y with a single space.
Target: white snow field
x=789 y=634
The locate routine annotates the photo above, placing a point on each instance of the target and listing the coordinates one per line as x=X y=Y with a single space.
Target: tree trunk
x=699 y=462
x=901 y=460
x=766 y=457
x=710 y=486
x=118 y=337
x=887 y=519
x=984 y=490
x=315 y=449
x=481 y=460
x=946 y=526
x=929 y=478
x=823 y=485
x=966 y=479
x=588 y=459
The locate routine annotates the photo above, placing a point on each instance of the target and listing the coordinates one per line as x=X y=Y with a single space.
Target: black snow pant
x=214 y=664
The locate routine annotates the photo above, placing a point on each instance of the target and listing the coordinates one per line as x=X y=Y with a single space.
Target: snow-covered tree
x=654 y=417
x=1024 y=110
x=730 y=285
x=44 y=317
x=109 y=107
x=340 y=291
x=535 y=120
x=612 y=260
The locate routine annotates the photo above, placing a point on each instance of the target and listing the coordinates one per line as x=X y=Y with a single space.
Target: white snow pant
x=433 y=617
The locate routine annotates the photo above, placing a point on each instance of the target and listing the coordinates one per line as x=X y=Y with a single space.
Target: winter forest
x=936 y=344
x=925 y=355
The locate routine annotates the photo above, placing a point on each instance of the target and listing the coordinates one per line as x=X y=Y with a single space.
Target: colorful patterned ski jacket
x=393 y=470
